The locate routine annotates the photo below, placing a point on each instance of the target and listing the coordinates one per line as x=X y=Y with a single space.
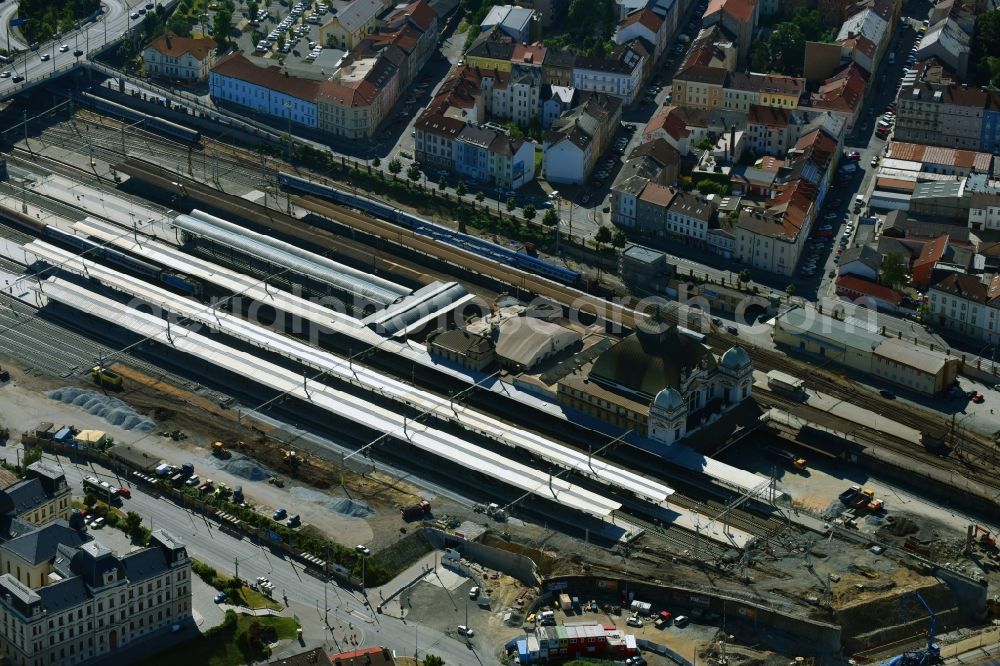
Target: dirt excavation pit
x=344 y=506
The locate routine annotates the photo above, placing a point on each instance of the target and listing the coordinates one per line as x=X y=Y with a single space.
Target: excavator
x=930 y=655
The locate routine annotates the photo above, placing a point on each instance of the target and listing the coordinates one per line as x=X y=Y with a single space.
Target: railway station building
x=664 y=383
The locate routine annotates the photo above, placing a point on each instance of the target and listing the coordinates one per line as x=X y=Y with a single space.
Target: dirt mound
x=900 y=526
x=246 y=468
x=343 y=505
x=112 y=410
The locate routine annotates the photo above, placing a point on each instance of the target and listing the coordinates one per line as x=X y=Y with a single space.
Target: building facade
x=97 y=604
x=179 y=58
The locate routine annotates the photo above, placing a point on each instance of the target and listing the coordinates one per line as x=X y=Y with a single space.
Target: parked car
x=364 y=550
x=466 y=631
x=887 y=394
x=219 y=598
x=279 y=514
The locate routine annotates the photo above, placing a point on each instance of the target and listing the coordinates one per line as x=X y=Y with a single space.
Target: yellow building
x=349 y=26
x=700 y=87
x=29 y=558
x=781 y=92
x=41 y=497
x=491 y=50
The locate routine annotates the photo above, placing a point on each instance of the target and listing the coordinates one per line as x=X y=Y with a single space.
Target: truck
x=662 y=619
x=862 y=500
x=415 y=511
x=577 y=608
x=219 y=450
x=786 y=457
x=107 y=378
x=187 y=469
x=163 y=469
x=565 y=603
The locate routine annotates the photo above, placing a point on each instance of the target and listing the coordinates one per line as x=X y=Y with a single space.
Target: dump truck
x=415 y=511
x=107 y=378
x=219 y=450
x=565 y=603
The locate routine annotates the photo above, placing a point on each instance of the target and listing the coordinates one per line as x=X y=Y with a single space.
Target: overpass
x=27 y=69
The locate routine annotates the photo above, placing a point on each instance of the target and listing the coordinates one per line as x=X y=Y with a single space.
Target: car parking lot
x=289 y=34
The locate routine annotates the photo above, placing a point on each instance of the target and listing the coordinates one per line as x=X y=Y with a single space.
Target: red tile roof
x=932 y=251
x=419 y=12
x=529 y=53
x=174 y=46
x=843 y=92
x=236 y=66
x=741 y=10
x=658 y=195
x=857 y=285
x=917 y=152
x=648 y=19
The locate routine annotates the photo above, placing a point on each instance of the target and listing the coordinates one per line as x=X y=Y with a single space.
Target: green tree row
x=47 y=17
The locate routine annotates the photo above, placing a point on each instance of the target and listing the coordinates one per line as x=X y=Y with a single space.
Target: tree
x=787 y=48
x=618 y=238
x=30 y=457
x=480 y=197
x=551 y=218
x=895 y=271
x=89 y=499
x=395 y=166
x=376 y=162
x=514 y=131
x=790 y=290
x=709 y=186
x=529 y=212
x=433 y=660
x=413 y=172
x=252 y=9
x=442 y=184
x=511 y=204
x=133 y=524
x=603 y=236
x=744 y=276
x=179 y=24
x=281 y=42
x=460 y=189
x=986 y=44
x=223 y=23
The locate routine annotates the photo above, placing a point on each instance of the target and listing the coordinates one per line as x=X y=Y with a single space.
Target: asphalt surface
x=349 y=612
x=29 y=64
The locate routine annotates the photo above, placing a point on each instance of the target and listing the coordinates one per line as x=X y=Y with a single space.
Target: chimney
x=168 y=40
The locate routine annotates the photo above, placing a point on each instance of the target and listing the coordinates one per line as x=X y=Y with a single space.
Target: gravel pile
x=112 y=410
x=342 y=505
x=246 y=468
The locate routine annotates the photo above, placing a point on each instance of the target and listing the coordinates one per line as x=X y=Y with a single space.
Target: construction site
x=381 y=383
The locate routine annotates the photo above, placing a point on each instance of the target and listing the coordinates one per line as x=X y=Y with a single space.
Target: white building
x=620 y=76
x=518 y=22
x=690 y=216
x=968 y=305
x=730 y=382
x=772 y=239
x=578 y=138
x=179 y=58
x=95 y=603
x=268 y=91
x=643 y=24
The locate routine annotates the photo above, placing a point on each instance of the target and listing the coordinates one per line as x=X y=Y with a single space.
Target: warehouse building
x=857 y=344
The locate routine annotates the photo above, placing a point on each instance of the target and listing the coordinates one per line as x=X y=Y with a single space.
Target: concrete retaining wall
x=517 y=566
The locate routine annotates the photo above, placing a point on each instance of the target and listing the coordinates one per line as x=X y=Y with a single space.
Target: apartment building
x=40 y=498
x=489 y=154
x=739 y=18
x=952 y=115
x=267 y=91
x=842 y=94
x=95 y=603
x=347 y=27
x=492 y=49
x=652 y=162
x=643 y=24
x=772 y=238
x=968 y=305
x=620 y=74
x=520 y=23
x=575 y=141
x=179 y=58
x=353 y=102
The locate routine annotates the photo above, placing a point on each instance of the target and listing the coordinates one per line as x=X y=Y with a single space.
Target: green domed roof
x=648 y=362
x=669 y=399
x=735 y=358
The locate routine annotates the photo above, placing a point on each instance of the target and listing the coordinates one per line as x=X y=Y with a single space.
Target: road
x=349 y=612
x=113 y=22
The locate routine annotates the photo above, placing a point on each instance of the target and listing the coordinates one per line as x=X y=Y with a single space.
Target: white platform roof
x=340 y=368
x=359 y=375
x=336 y=402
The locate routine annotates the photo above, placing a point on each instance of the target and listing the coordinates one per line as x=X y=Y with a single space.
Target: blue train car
x=152 y=122
x=493 y=251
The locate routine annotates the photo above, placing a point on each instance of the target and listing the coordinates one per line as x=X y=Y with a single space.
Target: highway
x=305 y=593
x=109 y=26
